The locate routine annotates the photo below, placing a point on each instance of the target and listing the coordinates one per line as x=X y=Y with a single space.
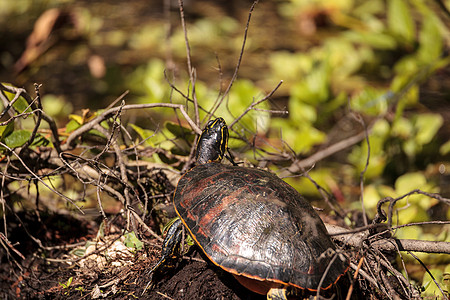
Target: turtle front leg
x=169 y=247
x=170 y=243
x=277 y=294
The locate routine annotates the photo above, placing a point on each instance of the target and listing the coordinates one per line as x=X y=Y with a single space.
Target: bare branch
x=236 y=71
x=252 y=106
x=389 y=244
x=107 y=113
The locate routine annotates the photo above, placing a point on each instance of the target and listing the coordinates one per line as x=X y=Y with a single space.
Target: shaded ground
x=69 y=270
x=43 y=273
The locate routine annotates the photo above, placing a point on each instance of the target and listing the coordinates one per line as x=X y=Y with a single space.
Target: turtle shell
x=255 y=226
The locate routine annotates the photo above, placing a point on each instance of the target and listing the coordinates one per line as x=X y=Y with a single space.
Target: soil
x=44 y=273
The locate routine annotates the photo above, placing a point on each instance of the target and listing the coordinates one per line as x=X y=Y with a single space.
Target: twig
x=366 y=165
x=39 y=178
x=38 y=121
x=393 y=201
x=189 y=63
x=90 y=125
x=241 y=54
x=30 y=101
x=364 y=274
x=2 y=198
x=429 y=273
x=388 y=244
x=252 y=106
x=299 y=165
x=140 y=221
x=357 y=270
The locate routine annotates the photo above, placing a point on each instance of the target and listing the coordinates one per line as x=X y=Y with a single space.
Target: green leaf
x=445 y=148
x=400 y=21
x=431 y=290
x=76 y=118
x=180 y=131
x=145 y=134
x=402 y=128
x=17 y=138
x=78 y=252
x=371 y=101
x=6 y=130
x=373 y=39
x=427 y=125
x=131 y=241
x=20 y=105
x=67 y=284
x=409 y=182
x=72 y=125
x=430 y=38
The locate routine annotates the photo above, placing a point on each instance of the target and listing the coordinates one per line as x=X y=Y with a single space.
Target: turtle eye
x=209 y=125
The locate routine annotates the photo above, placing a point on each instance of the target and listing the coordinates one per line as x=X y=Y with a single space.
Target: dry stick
x=388 y=244
x=189 y=63
x=364 y=274
x=38 y=115
x=88 y=126
x=25 y=228
x=406 y=277
x=121 y=97
x=122 y=167
x=5 y=243
x=138 y=170
x=39 y=178
x=318 y=156
x=30 y=101
x=376 y=235
x=140 y=221
x=402 y=279
x=357 y=270
x=392 y=294
x=393 y=201
x=236 y=70
x=335 y=256
x=326 y=196
x=2 y=199
x=111 y=135
x=373 y=265
x=361 y=175
x=23 y=114
x=9 y=104
x=102 y=211
x=252 y=106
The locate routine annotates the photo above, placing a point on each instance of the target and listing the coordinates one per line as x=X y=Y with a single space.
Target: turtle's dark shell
x=251 y=223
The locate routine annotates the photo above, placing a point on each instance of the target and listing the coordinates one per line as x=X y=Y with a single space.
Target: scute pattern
x=250 y=222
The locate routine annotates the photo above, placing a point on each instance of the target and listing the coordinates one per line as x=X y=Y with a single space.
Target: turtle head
x=212 y=144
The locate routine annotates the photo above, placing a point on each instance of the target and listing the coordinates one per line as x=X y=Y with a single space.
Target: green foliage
x=20 y=105
x=66 y=285
x=442 y=277
x=400 y=21
x=368 y=57
x=17 y=138
x=131 y=241
x=377 y=161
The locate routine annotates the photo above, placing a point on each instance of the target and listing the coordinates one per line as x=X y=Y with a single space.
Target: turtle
x=251 y=223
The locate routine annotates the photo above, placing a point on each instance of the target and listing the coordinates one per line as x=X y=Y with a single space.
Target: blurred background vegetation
x=345 y=65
